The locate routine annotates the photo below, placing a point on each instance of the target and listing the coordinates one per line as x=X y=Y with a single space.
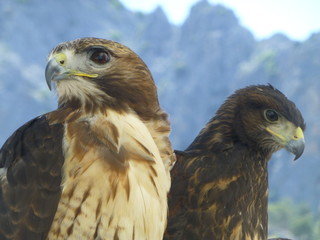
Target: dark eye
x=100 y=57
x=271 y=115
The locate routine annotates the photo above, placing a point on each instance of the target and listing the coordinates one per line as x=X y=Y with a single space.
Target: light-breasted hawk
x=98 y=166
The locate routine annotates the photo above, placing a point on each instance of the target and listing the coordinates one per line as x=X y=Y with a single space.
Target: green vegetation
x=269 y=63
x=115 y=35
x=116 y=4
x=285 y=216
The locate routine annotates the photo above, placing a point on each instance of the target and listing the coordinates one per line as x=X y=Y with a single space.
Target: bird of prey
x=219 y=184
x=98 y=166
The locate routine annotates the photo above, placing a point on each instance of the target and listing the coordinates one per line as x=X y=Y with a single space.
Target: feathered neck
x=219 y=133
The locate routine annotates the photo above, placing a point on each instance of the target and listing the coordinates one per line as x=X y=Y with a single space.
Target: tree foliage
x=293 y=220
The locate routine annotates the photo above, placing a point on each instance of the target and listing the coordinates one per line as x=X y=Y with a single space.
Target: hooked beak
x=296 y=144
x=56 y=70
x=290 y=137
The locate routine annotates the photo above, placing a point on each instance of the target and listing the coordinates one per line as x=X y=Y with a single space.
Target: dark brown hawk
x=220 y=182
x=98 y=166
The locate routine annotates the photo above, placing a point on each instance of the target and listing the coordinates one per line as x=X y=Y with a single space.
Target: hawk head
x=260 y=117
x=93 y=74
x=267 y=120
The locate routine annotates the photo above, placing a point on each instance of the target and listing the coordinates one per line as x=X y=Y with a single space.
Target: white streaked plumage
x=147 y=219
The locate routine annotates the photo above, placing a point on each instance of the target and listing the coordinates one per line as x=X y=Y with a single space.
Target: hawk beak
x=57 y=71
x=296 y=144
x=290 y=137
x=54 y=72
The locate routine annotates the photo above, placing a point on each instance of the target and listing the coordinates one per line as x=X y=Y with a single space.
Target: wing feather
x=30 y=177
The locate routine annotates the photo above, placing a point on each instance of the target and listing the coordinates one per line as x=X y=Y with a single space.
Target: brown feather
x=220 y=182
x=29 y=197
x=98 y=166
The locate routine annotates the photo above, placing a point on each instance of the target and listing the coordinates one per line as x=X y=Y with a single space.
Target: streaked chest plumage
x=115 y=184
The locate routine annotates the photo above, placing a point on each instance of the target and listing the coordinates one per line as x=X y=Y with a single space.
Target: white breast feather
x=142 y=215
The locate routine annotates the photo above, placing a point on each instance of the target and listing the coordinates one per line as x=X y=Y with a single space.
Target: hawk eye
x=271 y=115
x=100 y=56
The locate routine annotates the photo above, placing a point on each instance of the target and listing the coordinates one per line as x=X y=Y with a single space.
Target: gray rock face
x=195 y=65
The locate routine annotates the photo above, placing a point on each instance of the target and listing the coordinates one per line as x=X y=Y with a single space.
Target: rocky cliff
x=196 y=66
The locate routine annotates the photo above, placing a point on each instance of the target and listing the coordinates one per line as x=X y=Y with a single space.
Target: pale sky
x=295 y=18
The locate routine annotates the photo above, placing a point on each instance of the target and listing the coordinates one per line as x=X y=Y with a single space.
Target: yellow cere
x=60 y=58
x=298 y=134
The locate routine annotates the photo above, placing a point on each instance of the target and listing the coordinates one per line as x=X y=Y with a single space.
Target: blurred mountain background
x=195 y=65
